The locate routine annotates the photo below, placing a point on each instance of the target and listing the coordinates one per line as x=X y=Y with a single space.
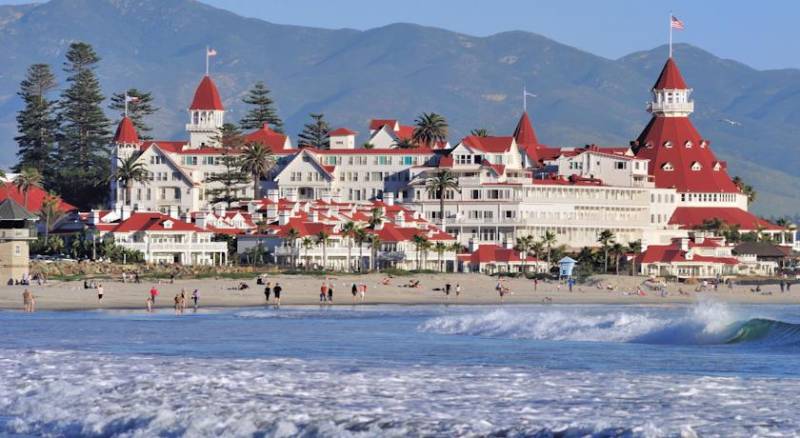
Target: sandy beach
x=304 y=290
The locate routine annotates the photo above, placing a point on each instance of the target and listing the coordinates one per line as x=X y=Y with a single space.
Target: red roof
x=341 y=132
x=673 y=146
x=376 y=124
x=126 y=132
x=691 y=217
x=153 y=221
x=405 y=132
x=524 y=133
x=489 y=144
x=167 y=146
x=36 y=197
x=266 y=136
x=670 y=78
x=206 y=97
x=493 y=254
x=360 y=151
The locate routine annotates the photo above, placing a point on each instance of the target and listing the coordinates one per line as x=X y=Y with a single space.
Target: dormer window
x=168 y=225
x=667 y=144
x=649 y=145
x=717 y=166
x=689 y=144
x=696 y=166
x=703 y=143
x=667 y=167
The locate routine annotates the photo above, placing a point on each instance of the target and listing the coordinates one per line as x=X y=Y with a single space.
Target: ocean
x=707 y=369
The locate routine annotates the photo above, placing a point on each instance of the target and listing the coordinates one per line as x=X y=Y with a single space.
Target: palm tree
x=438 y=185
x=618 y=250
x=2 y=177
x=746 y=189
x=323 y=239
x=426 y=246
x=360 y=237
x=376 y=217
x=291 y=236
x=479 y=132
x=348 y=231
x=405 y=143
x=374 y=247
x=431 y=128
x=418 y=241
x=548 y=240
x=636 y=248
x=523 y=245
x=440 y=248
x=50 y=213
x=307 y=245
x=129 y=170
x=605 y=238
x=26 y=180
x=257 y=160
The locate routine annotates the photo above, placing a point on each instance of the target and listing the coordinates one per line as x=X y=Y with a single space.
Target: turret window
x=667 y=167
x=703 y=144
x=667 y=144
x=649 y=145
x=717 y=166
x=689 y=144
x=696 y=166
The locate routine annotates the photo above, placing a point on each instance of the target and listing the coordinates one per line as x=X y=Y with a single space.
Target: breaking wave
x=706 y=323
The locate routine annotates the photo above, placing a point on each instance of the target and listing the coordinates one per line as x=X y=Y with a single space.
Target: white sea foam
x=73 y=393
x=706 y=322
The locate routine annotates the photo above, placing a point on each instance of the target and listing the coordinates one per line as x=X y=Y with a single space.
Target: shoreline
x=298 y=290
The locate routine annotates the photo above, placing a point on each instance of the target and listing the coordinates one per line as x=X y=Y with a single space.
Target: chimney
x=200 y=221
x=187 y=217
x=174 y=212
x=284 y=216
x=272 y=211
x=388 y=198
x=118 y=210
x=252 y=207
x=94 y=217
x=273 y=195
x=400 y=219
x=219 y=209
x=126 y=212
x=684 y=244
x=473 y=246
x=314 y=217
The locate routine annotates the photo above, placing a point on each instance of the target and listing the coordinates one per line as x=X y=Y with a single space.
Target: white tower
x=671 y=94
x=206 y=115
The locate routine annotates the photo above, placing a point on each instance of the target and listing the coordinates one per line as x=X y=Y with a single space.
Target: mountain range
x=400 y=70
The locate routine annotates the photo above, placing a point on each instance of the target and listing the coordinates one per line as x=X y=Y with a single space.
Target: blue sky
x=761 y=34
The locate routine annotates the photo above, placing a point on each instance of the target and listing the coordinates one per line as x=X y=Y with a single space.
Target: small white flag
x=675 y=23
x=211 y=52
x=131 y=98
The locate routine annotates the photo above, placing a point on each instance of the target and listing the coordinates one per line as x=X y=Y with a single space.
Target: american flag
x=675 y=23
x=213 y=52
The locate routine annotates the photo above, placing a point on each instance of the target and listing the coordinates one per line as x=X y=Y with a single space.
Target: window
x=463 y=159
x=620 y=165
x=476 y=194
x=689 y=144
x=177 y=193
x=190 y=160
x=408 y=161
x=667 y=167
x=717 y=166
x=696 y=166
x=667 y=144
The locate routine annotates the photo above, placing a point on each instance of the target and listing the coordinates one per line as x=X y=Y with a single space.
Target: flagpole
x=524 y=98
x=206 y=60
x=126 y=104
x=670 y=34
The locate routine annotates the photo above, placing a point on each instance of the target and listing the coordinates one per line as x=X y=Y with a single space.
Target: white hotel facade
x=655 y=190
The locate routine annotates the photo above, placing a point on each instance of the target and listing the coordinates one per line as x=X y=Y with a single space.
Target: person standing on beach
x=323 y=292
x=99 y=292
x=354 y=290
x=27 y=301
x=447 y=288
x=149 y=304
x=267 y=291
x=363 y=292
x=178 y=304
x=458 y=290
x=195 y=298
x=183 y=299
x=153 y=293
x=277 y=292
x=535 y=284
x=330 y=293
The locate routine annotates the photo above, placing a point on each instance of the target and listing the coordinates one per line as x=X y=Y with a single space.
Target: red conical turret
x=126 y=132
x=206 y=97
x=670 y=78
x=524 y=134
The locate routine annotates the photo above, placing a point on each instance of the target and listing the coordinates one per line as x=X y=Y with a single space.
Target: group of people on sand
x=357 y=290
x=449 y=288
x=275 y=291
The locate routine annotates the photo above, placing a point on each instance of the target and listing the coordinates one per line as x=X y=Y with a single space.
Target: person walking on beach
x=363 y=292
x=267 y=291
x=100 y=292
x=330 y=293
x=195 y=298
x=447 y=288
x=458 y=290
x=323 y=292
x=149 y=304
x=535 y=284
x=354 y=291
x=183 y=299
x=178 y=304
x=277 y=292
x=153 y=293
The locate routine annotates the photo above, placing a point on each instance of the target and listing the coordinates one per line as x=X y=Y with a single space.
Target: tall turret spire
x=670 y=93
x=206 y=114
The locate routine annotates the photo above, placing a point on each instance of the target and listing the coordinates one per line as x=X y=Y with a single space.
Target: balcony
x=175 y=246
x=674 y=107
x=17 y=234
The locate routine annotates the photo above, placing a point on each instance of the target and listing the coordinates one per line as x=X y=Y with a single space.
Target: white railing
x=175 y=246
x=682 y=107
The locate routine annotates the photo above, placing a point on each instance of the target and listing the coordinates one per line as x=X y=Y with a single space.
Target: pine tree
x=263 y=110
x=137 y=110
x=232 y=178
x=37 y=123
x=83 y=148
x=315 y=134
